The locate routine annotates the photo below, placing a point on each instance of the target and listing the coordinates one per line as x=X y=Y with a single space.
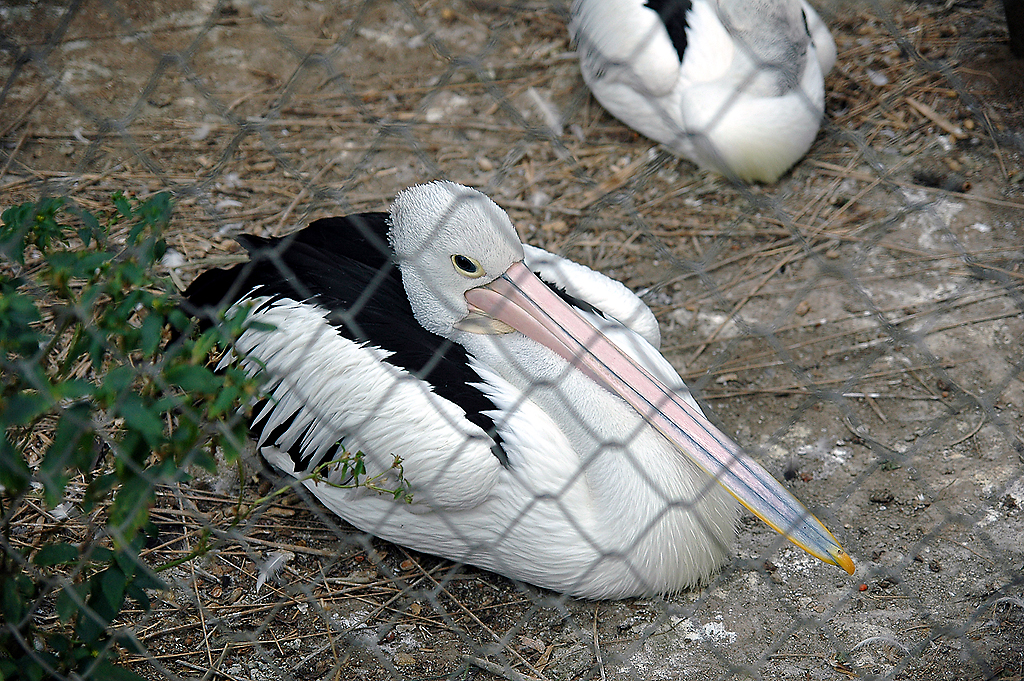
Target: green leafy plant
x=351 y=470
x=93 y=393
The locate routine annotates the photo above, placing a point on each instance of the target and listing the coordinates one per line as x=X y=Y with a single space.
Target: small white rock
x=877 y=78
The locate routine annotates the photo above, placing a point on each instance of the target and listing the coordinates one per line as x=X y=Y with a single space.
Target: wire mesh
x=856 y=325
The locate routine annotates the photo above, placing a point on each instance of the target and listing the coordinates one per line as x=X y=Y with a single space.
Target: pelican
x=736 y=86
x=510 y=406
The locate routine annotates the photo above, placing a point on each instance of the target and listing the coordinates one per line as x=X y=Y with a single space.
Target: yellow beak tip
x=843 y=560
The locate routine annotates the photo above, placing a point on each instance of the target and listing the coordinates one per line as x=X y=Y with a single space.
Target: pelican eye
x=467 y=266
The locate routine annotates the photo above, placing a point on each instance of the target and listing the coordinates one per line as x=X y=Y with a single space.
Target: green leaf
x=90 y=230
x=127 y=560
x=14 y=472
x=130 y=509
x=18 y=314
x=165 y=471
x=89 y=627
x=8 y=670
x=73 y=389
x=27 y=223
x=193 y=378
x=141 y=418
x=79 y=264
x=13 y=598
x=97 y=490
x=151 y=333
x=68 y=601
x=178 y=319
x=208 y=462
x=71 y=448
x=137 y=230
x=24 y=407
x=119 y=379
x=155 y=213
x=113 y=583
x=105 y=671
x=56 y=554
x=136 y=592
x=224 y=401
x=145 y=579
x=101 y=554
x=32 y=670
x=121 y=203
x=84 y=654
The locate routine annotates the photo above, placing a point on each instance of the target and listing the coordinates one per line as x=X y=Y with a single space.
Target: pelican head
x=449 y=239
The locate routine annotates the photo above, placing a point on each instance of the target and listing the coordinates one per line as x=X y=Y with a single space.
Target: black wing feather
x=342 y=264
x=673 y=15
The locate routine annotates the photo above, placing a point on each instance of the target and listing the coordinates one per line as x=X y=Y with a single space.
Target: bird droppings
x=663 y=657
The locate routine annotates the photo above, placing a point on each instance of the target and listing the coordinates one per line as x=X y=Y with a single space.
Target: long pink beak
x=522 y=301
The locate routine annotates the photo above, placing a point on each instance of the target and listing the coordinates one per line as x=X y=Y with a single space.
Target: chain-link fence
x=857 y=326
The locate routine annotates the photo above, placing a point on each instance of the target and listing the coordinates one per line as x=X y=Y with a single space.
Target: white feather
x=275 y=563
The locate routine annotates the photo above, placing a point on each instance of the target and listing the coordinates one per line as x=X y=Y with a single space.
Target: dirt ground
x=858 y=325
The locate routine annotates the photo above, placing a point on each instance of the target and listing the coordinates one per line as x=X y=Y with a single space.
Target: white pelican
x=736 y=86
x=541 y=433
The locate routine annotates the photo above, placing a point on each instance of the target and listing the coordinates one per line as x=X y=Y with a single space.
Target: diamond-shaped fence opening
x=856 y=326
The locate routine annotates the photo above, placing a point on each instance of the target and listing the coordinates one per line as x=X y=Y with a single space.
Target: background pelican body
x=516 y=461
x=736 y=86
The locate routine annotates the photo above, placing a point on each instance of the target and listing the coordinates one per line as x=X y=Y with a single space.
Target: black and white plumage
x=515 y=405
x=736 y=86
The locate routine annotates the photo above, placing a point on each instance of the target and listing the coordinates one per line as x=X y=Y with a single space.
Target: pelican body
x=736 y=86
x=538 y=431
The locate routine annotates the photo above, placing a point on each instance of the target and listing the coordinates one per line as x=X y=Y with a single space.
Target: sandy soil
x=858 y=325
